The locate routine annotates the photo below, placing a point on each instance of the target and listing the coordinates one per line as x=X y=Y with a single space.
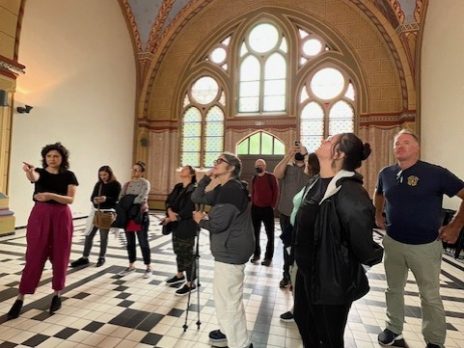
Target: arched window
x=263 y=70
x=202 y=123
x=261 y=143
x=326 y=106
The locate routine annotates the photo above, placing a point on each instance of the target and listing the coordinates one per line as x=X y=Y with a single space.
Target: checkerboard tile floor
x=101 y=309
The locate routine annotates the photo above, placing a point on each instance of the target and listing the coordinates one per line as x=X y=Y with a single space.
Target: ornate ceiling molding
x=10 y=68
x=419 y=11
x=132 y=24
x=157 y=28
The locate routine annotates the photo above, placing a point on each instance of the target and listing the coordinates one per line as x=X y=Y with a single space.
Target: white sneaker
x=126 y=271
x=147 y=274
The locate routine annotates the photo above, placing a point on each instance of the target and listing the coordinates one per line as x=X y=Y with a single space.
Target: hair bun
x=366 y=151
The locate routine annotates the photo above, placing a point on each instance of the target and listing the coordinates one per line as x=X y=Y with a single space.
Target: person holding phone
x=50 y=226
x=232 y=243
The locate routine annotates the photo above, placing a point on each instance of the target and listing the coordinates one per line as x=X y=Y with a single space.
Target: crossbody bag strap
x=99 y=194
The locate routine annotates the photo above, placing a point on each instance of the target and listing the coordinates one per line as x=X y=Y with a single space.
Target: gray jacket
x=229 y=221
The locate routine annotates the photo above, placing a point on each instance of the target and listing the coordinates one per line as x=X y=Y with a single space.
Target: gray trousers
x=89 y=242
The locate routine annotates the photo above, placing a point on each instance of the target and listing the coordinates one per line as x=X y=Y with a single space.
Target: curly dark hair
x=61 y=150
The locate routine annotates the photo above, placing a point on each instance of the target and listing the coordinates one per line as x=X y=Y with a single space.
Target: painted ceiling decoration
x=155 y=23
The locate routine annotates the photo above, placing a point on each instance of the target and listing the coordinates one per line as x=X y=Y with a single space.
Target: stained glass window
x=263 y=71
x=203 y=128
x=333 y=115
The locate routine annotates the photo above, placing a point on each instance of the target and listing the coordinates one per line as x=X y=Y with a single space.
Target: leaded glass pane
x=242 y=148
x=255 y=144
x=312 y=47
x=303 y=33
x=214 y=114
x=304 y=94
x=350 y=91
x=312 y=127
x=266 y=144
x=218 y=55
x=191 y=144
x=275 y=67
x=279 y=148
x=191 y=158
x=263 y=37
x=226 y=41
x=205 y=90
x=222 y=100
x=274 y=87
x=243 y=50
x=274 y=103
x=283 y=46
x=249 y=89
x=192 y=130
x=192 y=115
x=327 y=83
x=186 y=100
x=248 y=104
x=312 y=142
x=210 y=157
x=312 y=111
x=340 y=126
x=341 y=109
x=214 y=144
x=250 y=69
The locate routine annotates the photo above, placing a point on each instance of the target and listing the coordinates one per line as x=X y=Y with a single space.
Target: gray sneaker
x=126 y=271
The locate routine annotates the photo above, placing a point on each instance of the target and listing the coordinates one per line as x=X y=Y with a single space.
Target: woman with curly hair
x=50 y=225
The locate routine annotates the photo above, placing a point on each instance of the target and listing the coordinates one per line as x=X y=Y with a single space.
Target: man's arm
x=379 y=204
x=450 y=232
x=279 y=170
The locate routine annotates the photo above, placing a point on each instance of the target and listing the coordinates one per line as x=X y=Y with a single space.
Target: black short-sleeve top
x=54 y=183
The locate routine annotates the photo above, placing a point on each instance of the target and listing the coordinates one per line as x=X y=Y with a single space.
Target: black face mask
x=259 y=170
x=299 y=156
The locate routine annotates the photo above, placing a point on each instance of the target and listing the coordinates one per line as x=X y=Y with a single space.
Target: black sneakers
x=218 y=339
x=254 y=259
x=175 y=280
x=284 y=283
x=15 y=310
x=80 y=262
x=431 y=345
x=388 y=337
x=55 y=304
x=266 y=262
x=287 y=316
x=100 y=262
x=185 y=290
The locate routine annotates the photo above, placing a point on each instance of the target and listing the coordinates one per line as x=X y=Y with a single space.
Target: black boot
x=55 y=304
x=15 y=310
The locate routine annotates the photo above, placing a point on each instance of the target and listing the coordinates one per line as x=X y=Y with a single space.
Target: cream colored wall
x=80 y=78
x=442 y=119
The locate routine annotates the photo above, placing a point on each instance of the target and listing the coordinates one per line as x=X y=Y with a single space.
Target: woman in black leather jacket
x=179 y=208
x=334 y=220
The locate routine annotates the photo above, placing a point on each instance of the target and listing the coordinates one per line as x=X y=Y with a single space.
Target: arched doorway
x=259 y=145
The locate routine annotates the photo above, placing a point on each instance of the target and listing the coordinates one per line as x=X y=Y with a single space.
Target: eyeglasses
x=219 y=161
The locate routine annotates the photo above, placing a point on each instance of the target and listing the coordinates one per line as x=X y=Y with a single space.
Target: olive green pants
x=424 y=261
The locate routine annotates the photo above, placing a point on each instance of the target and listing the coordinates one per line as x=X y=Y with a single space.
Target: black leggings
x=320 y=326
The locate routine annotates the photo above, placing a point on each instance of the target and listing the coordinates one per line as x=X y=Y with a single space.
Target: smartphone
x=297 y=143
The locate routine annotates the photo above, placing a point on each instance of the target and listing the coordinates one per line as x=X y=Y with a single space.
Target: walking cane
x=196 y=272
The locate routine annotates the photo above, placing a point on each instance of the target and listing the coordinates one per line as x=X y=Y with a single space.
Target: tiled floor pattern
x=102 y=310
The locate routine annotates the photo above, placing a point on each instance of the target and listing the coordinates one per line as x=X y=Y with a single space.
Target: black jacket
x=180 y=202
x=111 y=190
x=126 y=210
x=343 y=242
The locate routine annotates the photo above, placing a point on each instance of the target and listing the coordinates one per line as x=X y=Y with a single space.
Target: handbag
x=103 y=219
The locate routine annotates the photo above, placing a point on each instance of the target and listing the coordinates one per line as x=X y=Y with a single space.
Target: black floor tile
x=35 y=340
x=151 y=338
x=66 y=333
x=93 y=326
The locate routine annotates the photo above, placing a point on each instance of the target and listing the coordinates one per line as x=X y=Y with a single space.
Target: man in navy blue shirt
x=411 y=194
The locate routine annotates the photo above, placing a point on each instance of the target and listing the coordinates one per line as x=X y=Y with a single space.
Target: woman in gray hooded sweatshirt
x=232 y=243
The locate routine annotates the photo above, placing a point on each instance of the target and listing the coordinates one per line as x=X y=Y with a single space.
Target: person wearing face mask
x=264 y=193
x=290 y=172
